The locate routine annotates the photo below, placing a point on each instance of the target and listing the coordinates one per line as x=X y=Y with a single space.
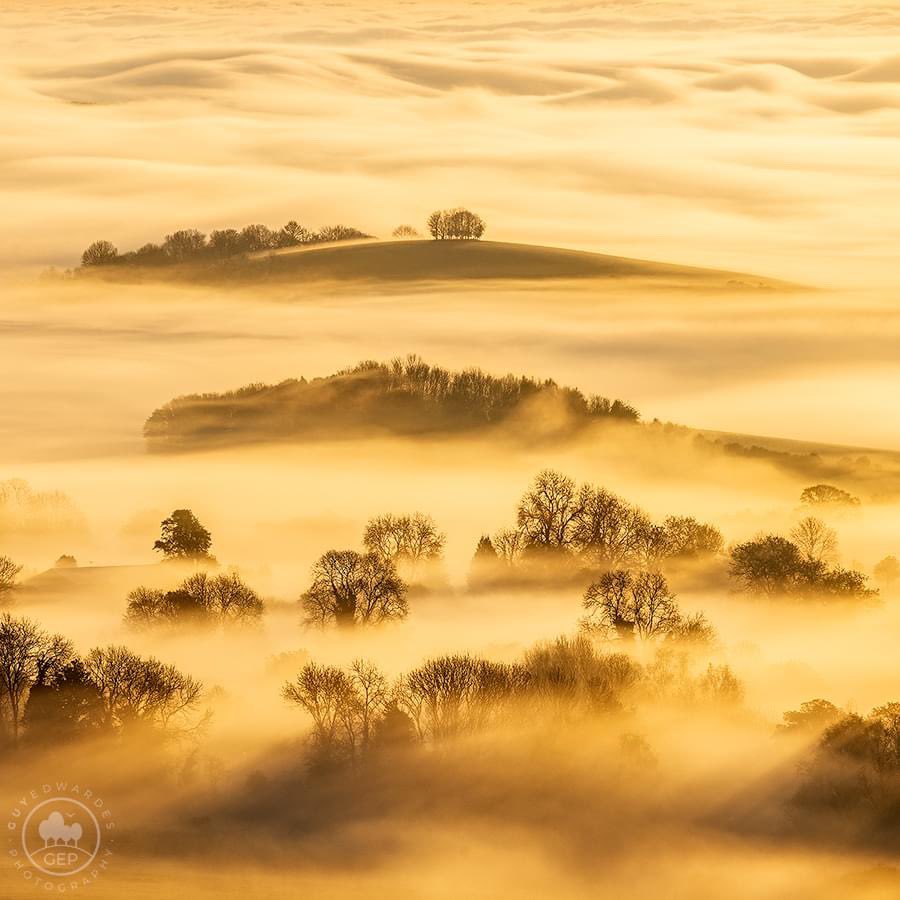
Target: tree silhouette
x=686 y=538
x=350 y=588
x=626 y=605
x=28 y=656
x=225 y=242
x=200 y=600
x=183 y=537
x=824 y=494
x=772 y=565
x=407 y=540
x=183 y=245
x=813 y=715
x=817 y=542
x=455 y=224
x=346 y=707
x=9 y=573
x=100 y=253
x=136 y=691
x=887 y=571
x=66 y=706
x=548 y=514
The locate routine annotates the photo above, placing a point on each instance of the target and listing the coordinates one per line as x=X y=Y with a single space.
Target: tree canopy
x=183 y=537
x=455 y=225
x=774 y=566
x=350 y=589
x=192 y=245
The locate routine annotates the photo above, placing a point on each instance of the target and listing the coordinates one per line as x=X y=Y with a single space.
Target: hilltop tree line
x=405 y=396
x=192 y=245
x=455 y=225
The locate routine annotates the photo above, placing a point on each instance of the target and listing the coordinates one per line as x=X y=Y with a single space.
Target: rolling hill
x=426 y=260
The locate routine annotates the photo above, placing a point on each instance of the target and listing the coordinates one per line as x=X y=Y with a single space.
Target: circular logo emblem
x=61 y=836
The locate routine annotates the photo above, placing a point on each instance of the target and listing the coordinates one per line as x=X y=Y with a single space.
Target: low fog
x=531 y=802
x=628 y=634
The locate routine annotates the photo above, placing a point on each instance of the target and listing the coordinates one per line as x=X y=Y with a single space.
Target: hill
x=404 y=397
x=427 y=260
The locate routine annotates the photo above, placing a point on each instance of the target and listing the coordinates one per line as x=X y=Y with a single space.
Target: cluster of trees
x=189 y=245
x=350 y=588
x=48 y=692
x=625 y=605
x=773 y=566
x=358 y=710
x=557 y=519
x=455 y=225
x=25 y=510
x=827 y=495
x=201 y=600
x=854 y=764
x=405 y=396
x=410 y=542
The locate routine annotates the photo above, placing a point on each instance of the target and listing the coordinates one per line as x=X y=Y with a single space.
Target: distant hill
x=428 y=261
x=404 y=397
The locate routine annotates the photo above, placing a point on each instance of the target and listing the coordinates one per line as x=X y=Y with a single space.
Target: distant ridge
x=390 y=262
x=427 y=260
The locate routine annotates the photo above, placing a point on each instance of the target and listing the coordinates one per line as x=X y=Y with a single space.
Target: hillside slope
x=427 y=260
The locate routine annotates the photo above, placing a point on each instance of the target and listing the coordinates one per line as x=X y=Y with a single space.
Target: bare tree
x=625 y=605
x=452 y=694
x=455 y=224
x=141 y=691
x=549 y=513
x=28 y=656
x=345 y=706
x=9 y=573
x=686 y=538
x=100 y=253
x=409 y=540
x=350 y=588
x=404 y=232
x=509 y=545
x=372 y=697
x=437 y=225
x=609 y=532
x=325 y=692
x=817 y=542
x=569 y=675
x=200 y=599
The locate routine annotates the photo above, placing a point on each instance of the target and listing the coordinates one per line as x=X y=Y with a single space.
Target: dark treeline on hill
x=190 y=245
x=405 y=396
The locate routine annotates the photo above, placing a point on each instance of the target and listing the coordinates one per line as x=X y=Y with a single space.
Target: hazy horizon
x=751 y=136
